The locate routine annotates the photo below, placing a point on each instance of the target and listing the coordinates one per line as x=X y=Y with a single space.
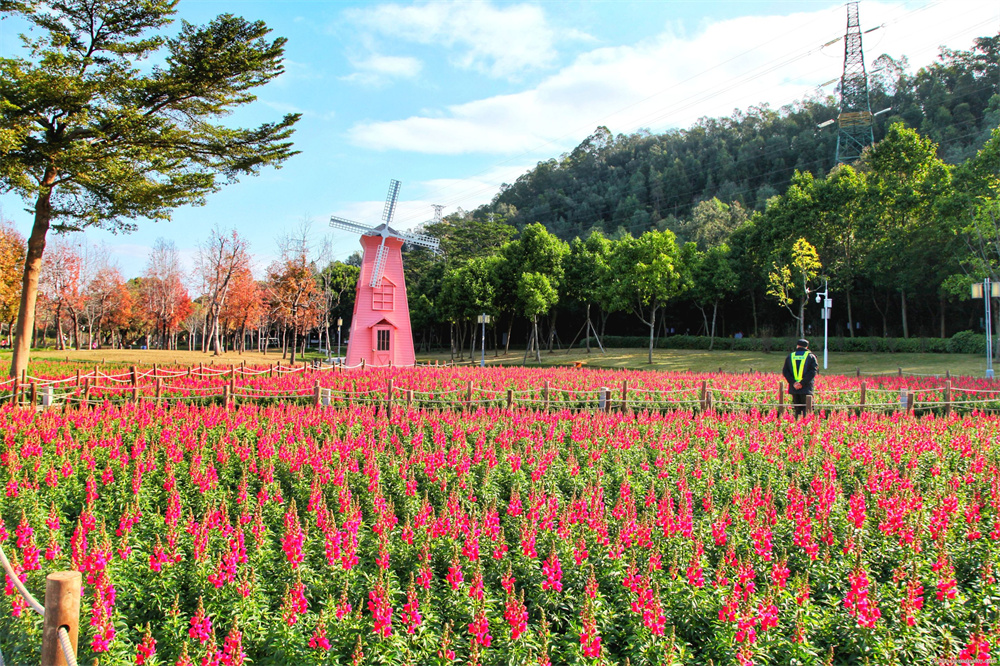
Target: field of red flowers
x=495 y=387
x=287 y=534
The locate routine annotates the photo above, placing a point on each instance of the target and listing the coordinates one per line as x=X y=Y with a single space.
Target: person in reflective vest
x=800 y=370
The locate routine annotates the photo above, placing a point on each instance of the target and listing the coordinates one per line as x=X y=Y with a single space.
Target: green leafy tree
x=712 y=279
x=910 y=241
x=91 y=138
x=785 y=280
x=536 y=251
x=588 y=277
x=537 y=296
x=649 y=271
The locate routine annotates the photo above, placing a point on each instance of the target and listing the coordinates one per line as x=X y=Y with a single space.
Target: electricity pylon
x=855 y=119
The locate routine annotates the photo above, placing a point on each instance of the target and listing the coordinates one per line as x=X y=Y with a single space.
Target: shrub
x=967 y=342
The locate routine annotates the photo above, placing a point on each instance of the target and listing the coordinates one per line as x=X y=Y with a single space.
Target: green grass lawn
x=677 y=360
x=680 y=360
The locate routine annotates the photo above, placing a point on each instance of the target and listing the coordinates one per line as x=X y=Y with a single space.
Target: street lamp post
x=987 y=291
x=484 y=319
x=824 y=298
x=340 y=321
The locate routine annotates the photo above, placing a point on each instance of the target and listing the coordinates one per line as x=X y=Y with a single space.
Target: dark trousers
x=799 y=404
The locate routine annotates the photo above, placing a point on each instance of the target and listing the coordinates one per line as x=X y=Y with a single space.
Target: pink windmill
x=380 y=328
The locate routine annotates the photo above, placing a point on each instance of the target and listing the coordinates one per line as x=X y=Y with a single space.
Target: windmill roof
x=384 y=226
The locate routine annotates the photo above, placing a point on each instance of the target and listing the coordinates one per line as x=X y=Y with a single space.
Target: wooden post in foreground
x=703 y=394
x=809 y=403
x=624 y=395
x=317 y=394
x=947 y=397
x=510 y=398
x=62 y=609
x=545 y=395
x=781 y=398
x=864 y=395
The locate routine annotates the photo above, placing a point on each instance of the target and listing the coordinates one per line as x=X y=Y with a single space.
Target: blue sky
x=455 y=98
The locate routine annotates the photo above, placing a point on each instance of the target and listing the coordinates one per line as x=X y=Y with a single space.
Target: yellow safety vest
x=799 y=364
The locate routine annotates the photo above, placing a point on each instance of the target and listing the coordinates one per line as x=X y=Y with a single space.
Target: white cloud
x=379 y=69
x=674 y=79
x=503 y=42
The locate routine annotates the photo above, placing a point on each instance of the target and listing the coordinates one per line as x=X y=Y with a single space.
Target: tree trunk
x=538 y=347
x=510 y=329
x=704 y=318
x=60 y=343
x=902 y=312
x=587 y=334
x=850 y=314
x=942 y=303
x=652 y=328
x=29 y=279
x=552 y=329
x=711 y=336
x=753 y=307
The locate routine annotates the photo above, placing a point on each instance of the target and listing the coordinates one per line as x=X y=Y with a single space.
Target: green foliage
x=536 y=294
x=113 y=142
x=967 y=342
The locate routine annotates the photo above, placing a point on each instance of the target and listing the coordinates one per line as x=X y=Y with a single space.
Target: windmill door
x=383 y=345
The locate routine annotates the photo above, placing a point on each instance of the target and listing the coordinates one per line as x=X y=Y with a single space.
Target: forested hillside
x=642 y=180
x=724 y=227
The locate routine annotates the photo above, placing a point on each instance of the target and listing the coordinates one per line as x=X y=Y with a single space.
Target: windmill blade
x=421 y=240
x=379 y=268
x=390 y=201
x=347 y=225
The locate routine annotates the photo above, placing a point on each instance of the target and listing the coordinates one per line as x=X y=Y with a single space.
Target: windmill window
x=382 y=296
x=382 y=343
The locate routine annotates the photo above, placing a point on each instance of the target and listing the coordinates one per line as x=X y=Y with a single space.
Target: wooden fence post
x=77 y=382
x=702 y=394
x=159 y=391
x=135 y=394
x=947 y=397
x=388 y=398
x=468 y=394
x=809 y=403
x=409 y=399
x=911 y=398
x=62 y=609
x=781 y=398
x=864 y=395
x=317 y=395
x=624 y=395
x=86 y=392
x=510 y=398
x=545 y=395
x=857 y=372
x=34 y=395
x=154 y=371
x=602 y=399
x=900 y=372
x=362 y=365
